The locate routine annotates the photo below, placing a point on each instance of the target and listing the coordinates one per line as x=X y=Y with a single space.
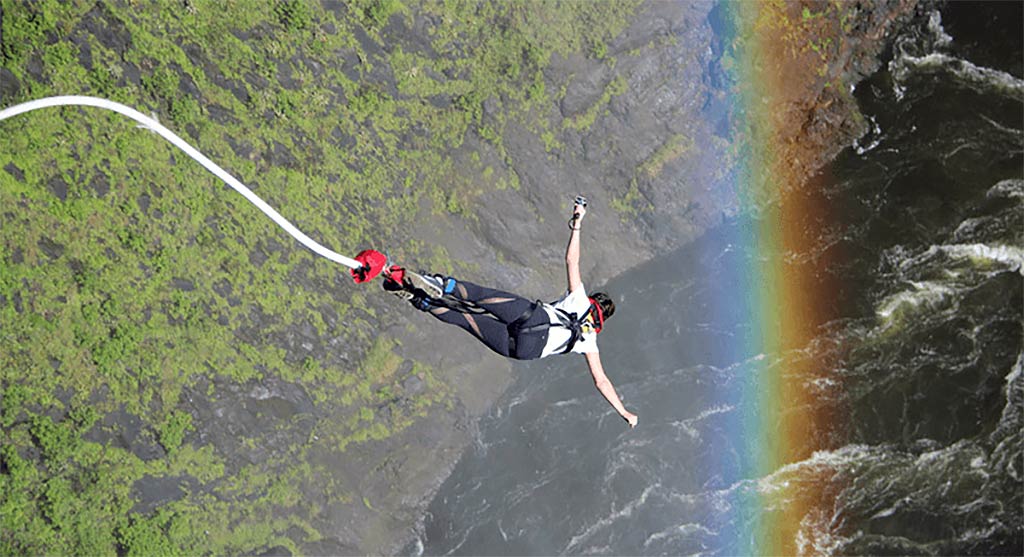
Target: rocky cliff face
x=642 y=160
x=659 y=160
x=263 y=401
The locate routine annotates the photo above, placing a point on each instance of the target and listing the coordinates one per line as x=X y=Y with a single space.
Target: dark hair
x=606 y=303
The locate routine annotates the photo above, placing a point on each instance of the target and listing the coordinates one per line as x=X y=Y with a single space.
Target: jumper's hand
x=578 y=211
x=632 y=419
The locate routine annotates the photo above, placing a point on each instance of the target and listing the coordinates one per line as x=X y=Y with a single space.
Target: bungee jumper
x=516 y=327
x=508 y=324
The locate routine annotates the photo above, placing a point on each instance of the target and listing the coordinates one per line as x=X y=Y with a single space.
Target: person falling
x=515 y=327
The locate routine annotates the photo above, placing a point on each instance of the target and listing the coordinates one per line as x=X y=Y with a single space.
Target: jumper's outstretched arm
x=572 y=251
x=607 y=389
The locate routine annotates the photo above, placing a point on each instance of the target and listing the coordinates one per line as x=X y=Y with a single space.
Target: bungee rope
x=365 y=267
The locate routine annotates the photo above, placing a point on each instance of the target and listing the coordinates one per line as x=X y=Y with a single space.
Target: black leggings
x=492 y=328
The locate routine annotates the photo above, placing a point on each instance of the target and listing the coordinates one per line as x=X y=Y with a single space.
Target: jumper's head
x=605 y=308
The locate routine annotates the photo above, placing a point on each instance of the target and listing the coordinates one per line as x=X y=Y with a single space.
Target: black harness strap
x=567 y=320
x=516 y=328
x=575 y=326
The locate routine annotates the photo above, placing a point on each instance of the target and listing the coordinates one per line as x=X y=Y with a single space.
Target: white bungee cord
x=152 y=124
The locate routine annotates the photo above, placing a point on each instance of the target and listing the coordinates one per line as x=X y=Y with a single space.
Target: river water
x=923 y=452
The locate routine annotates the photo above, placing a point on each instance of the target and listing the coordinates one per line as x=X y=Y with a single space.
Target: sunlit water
x=925 y=455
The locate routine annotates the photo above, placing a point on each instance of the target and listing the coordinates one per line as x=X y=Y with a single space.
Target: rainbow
x=778 y=424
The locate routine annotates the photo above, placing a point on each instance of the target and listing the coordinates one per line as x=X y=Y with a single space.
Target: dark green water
x=924 y=251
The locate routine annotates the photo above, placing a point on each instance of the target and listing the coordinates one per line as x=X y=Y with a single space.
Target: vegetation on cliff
x=136 y=291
